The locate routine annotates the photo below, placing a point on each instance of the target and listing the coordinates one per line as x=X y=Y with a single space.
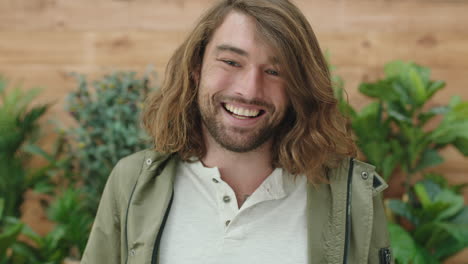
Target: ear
x=196 y=75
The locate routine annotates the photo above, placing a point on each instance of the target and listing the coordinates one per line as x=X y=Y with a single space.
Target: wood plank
x=325 y=15
x=360 y=49
x=437 y=49
x=87 y=48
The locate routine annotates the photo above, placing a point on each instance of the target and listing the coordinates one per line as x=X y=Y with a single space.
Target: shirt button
x=148 y=162
x=226 y=199
x=215 y=180
x=228 y=222
x=132 y=252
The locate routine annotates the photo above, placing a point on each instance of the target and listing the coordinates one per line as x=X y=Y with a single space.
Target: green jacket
x=345 y=226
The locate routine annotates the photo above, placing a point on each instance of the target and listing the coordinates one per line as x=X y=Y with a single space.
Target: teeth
x=242 y=111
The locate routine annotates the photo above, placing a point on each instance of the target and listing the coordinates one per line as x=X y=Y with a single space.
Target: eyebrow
x=230 y=48
x=226 y=47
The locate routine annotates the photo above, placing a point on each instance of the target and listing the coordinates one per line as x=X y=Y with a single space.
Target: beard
x=238 y=139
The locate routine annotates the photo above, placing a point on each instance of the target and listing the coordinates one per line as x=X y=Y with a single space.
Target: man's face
x=242 y=97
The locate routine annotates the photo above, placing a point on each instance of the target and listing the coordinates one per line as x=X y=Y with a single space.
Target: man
x=250 y=163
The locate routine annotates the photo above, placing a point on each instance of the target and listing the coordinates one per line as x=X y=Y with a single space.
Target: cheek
x=215 y=81
x=280 y=97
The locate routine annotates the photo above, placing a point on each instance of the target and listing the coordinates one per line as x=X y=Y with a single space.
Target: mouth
x=242 y=112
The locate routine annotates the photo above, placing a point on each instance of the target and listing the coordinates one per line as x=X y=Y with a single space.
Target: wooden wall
x=41 y=41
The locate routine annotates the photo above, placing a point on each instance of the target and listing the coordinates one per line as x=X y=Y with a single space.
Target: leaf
x=8 y=236
x=402 y=209
x=461 y=144
x=461 y=217
x=454 y=201
x=380 y=89
x=422 y=194
x=417 y=88
x=389 y=164
x=36 y=150
x=422 y=256
x=395 y=68
x=434 y=86
x=426 y=116
x=429 y=158
x=458 y=231
x=431 y=187
x=403 y=245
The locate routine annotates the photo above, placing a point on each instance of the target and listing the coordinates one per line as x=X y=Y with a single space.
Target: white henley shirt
x=206 y=226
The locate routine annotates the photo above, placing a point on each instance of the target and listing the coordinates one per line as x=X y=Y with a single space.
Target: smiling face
x=242 y=96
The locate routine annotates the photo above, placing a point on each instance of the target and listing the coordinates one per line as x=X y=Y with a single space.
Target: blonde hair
x=313 y=136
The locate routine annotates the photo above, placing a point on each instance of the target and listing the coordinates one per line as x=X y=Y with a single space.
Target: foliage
x=70 y=214
x=19 y=131
x=10 y=228
x=393 y=130
x=439 y=223
x=47 y=249
x=108 y=127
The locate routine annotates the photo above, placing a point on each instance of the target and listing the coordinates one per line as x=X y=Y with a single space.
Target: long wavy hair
x=314 y=135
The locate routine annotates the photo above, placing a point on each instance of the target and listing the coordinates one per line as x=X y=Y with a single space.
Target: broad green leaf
x=434 y=86
x=431 y=186
x=398 y=116
x=448 y=248
x=403 y=94
x=8 y=236
x=461 y=217
x=448 y=132
x=429 y=158
x=426 y=116
x=461 y=144
x=403 y=245
x=417 y=89
x=381 y=90
x=422 y=256
x=402 y=209
x=422 y=194
x=454 y=201
x=395 y=68
x=389 y=164
x=458 y=231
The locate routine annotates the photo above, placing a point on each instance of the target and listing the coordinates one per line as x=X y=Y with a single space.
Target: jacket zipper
x=154 y=257
x=348 y=211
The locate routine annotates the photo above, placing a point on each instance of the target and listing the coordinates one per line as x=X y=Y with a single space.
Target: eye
x=272 y=72
x=231 y=63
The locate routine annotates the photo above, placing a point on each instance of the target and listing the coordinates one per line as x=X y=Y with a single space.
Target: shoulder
x=135 y=162
x=366 y=172
x=360 y=174
x=128 y=169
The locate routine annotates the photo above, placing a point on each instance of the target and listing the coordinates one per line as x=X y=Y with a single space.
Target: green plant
x=70 y=214
x=10 y=228
x=438 y=223
x=393 y=131
x=19 y=131
x=48 y=249
x=108 y=127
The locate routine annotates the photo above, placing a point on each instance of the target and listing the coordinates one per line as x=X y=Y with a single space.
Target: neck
x=243 y=172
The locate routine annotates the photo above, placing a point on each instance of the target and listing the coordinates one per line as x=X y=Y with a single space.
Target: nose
x=250 y=85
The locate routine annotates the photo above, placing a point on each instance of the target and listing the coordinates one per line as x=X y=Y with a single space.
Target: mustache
x=237 y=99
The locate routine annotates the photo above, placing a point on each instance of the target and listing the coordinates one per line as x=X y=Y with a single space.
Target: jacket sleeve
x=104 y=243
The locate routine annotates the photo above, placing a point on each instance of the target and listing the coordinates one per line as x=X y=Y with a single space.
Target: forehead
x=240 y=30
